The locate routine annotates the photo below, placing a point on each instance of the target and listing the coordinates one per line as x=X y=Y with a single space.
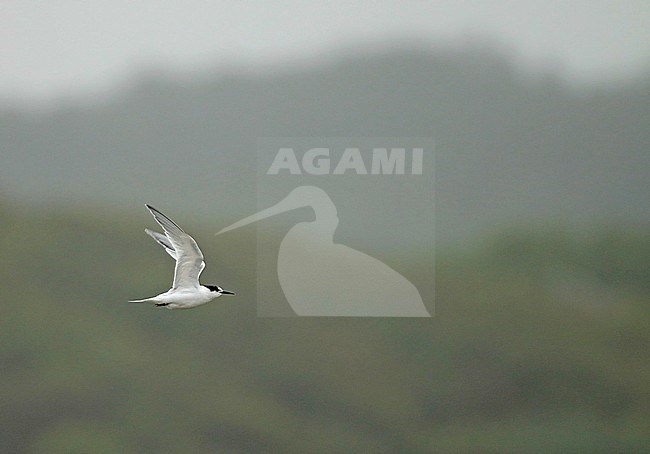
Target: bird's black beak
x=226 y=292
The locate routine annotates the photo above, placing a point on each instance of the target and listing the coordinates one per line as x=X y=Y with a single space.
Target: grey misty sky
x=54 y=48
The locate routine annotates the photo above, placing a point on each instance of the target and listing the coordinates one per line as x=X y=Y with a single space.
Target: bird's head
x=219 y=290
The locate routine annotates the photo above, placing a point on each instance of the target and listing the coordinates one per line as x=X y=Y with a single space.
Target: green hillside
x=509 y=146
x=539 y=344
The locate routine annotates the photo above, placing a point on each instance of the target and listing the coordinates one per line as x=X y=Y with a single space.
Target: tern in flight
x=186 y=292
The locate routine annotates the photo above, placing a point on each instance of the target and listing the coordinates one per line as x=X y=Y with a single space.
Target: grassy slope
x=520 y=357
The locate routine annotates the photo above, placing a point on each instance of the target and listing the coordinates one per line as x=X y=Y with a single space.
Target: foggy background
x=540 y=114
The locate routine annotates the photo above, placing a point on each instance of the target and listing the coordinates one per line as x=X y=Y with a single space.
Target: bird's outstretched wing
x=189 y=259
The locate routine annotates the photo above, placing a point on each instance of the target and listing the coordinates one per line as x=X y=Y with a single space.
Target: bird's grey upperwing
x=163 y=241
x=189 y=258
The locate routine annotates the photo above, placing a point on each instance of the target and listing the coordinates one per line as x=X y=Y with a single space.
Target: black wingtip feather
x=158 y=212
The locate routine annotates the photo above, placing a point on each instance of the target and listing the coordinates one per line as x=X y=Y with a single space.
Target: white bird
x=186 y=292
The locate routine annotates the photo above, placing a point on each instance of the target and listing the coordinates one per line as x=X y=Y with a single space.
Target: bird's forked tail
x=146 y=300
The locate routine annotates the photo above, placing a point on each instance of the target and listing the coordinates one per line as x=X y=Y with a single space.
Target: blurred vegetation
x=540 y=337
x=539 y=344
x=509 y=146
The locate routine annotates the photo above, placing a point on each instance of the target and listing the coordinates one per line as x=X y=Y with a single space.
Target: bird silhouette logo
x=322 y=278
